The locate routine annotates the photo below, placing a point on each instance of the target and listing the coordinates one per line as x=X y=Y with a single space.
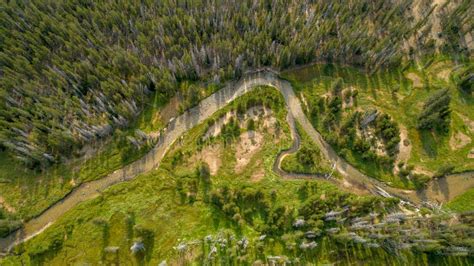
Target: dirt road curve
x=353 y=179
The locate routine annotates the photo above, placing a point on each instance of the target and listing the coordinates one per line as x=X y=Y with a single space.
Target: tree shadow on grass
x=147 y=236
x=428 y=142
x=220 y=220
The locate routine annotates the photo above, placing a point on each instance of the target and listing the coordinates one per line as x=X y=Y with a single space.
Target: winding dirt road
x=353 y=179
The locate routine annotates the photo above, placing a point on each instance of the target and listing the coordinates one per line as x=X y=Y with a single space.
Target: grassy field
x=149 y=204
x=400 y=93
x=462 y=203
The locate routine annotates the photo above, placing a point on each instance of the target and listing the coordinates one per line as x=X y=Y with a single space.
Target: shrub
x=305 y=156
x=388 y=130
x=436 y=113
x=251 y=124
x=444 y=171
x=420 y=180
x=466 y=83
x=204 y=172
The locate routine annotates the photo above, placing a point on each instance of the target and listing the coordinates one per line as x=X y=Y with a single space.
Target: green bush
x=388 y=130
x=444 y=171
x=420 y=181
x=436 y=113
x=251 y=125
x=305 y=155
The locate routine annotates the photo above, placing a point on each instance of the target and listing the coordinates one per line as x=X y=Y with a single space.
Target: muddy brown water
x=440 y=190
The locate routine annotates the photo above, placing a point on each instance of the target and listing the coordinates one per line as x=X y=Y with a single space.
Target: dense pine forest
x=71 y=72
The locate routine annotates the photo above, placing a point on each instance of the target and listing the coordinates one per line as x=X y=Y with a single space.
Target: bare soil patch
x=269 y=124
x=417 y=82
x=441 y=69
x=471 y=154
x=211 y=155
x=404 y=147
x=354 y=188
x=5 y=205
x=435 y=21
x=259 y=174
x=249 y=144
x=444 y=74
x=170 y=110
x=459 y=140
x=469 y=123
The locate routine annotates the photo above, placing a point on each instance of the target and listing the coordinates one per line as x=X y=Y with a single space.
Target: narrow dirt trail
x=197 y=115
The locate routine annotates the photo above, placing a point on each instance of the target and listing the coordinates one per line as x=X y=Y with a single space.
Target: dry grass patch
x=404 y=148
x=415 y=79
x=6 y=206
x=459 y=140
x=211 y=155
x=170 y=110
x=469 y=123
x=259 y=174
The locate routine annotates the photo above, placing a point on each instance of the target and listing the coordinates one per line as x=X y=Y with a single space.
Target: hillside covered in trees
x=72 y=72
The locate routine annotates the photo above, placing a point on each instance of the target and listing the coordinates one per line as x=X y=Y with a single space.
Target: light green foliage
x=462 y=203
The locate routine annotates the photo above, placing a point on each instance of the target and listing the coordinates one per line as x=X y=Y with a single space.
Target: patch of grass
x=149 y=120
x=462 y=203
